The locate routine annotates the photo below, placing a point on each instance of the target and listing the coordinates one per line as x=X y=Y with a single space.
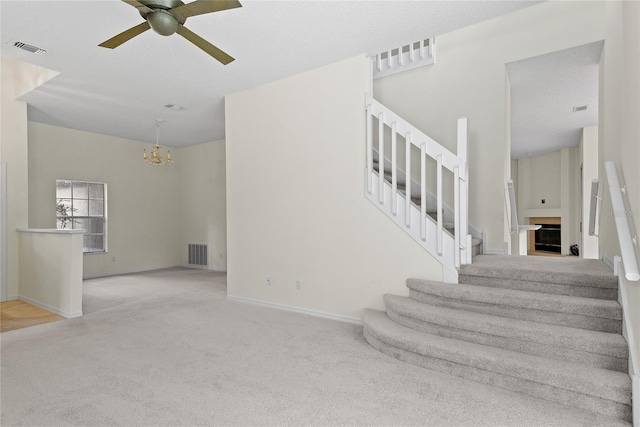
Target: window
x=83 y=205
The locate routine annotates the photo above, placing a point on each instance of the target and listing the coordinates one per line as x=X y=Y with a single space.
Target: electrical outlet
x=268 y=280
x=299 y=285
x=544 y=201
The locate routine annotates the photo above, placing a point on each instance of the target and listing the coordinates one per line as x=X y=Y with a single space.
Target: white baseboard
x=202 y=267
x=316 y=313
x=121 y=273
x=49 y=308
x=494 y=252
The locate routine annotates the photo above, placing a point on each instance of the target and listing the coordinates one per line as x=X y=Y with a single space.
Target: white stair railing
x=404 y=58
x=628 y=240
x=451 y=248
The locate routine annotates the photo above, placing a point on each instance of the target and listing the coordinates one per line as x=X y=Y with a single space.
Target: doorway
x=553 y=121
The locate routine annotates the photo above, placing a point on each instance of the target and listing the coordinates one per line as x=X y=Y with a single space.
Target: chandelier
x=155 y=157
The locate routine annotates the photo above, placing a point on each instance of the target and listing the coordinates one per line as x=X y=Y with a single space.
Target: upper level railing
x=428 y=230
x=404 y=58
x=628 y=240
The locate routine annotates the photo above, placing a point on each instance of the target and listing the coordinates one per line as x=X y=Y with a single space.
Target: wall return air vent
x=198 y=254
x=29 y=48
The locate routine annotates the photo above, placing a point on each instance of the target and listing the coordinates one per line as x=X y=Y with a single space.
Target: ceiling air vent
x=29 y=48
x=174 y=107
x=580 y=108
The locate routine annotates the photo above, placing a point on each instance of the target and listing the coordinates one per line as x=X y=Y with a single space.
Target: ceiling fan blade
x=204 y=45
x=124 y=36
x=138 y=5
x=200 y=7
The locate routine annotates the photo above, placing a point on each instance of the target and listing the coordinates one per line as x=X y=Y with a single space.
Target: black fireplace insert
x=548 y=238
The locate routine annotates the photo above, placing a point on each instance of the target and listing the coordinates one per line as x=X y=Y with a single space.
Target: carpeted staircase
x=546 y=327
x=401 y=185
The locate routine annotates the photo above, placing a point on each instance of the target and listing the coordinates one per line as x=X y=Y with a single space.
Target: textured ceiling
x=121 y=92
x=544 y=91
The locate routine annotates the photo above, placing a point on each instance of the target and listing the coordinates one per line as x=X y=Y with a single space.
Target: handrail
x=453 y=249
x=593 y=207
x=626 y=240
x=513 y=217
x=432 y=148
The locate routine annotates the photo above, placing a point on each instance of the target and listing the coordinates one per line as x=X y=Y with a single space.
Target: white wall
x=589 y=158
x=552 y=177
x=542 y=176
x=296 y=208
x=17 y=78
x=619 y=133
x=51 y=270
x=468 y=80
x=143 y=206
x=202 y=201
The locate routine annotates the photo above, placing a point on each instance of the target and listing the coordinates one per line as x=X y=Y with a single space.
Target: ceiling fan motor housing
x=161 y=4
x=162 y=22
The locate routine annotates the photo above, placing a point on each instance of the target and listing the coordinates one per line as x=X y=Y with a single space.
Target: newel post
x=462 y=152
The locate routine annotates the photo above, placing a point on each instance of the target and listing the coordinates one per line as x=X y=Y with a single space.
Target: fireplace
x=548 y=238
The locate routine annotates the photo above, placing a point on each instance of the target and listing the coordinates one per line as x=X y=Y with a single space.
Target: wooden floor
x=18 y=314
x=542 y=253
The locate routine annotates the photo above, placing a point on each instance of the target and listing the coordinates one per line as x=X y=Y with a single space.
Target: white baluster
x=411 y=53
x=381 y=158
x=456 y=215
x=400 y=61
x=394 y=170
x=422 y=49
x=423 y=191
x=379 y=62
x=439 y=202
x=430 y=52
x=369 y=150
x=389 y=64
x=407 y=170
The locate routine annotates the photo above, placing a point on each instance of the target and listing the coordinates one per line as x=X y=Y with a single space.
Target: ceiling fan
x=167 y=17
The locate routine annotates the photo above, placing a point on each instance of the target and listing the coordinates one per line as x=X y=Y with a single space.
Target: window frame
x=105 y=247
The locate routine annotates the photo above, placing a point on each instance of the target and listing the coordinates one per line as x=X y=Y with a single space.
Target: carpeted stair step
x=562 y=276
x=416 y=200
x=431 y=211
x=575 y=312
x=597 y=390
x=590 y=348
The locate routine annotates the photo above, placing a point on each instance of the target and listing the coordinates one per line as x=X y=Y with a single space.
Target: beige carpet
x=168 y=348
